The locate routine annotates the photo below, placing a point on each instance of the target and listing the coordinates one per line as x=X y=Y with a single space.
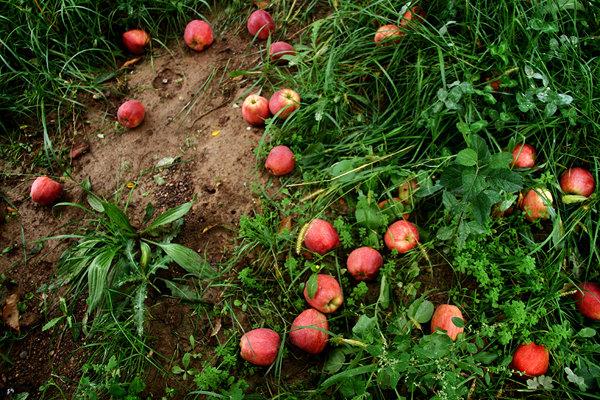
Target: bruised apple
x=401 y=236
x=284 y=102
x=364 y=263
x=255 y=109
x=328 y=297
x=577 y=181
x=308 y=331
x=280 y=161
x=321 y=237
x=198 y=35
x=136 y=40
x=260 y=24
x=442 y=319
x=588 y=300
x=131 y=114
x=280 y=49
x=387 y=34
x=524 y=156
x=536 y=204
x=45 y=191
x=531 y=359
x=260 y=346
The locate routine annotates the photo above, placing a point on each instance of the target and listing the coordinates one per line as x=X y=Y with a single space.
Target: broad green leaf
x=342 y=170
x=365 y=328
x=95 y=202
x=118 y=218
x=146 y=252
x=573 y=198
x=384 y=293
x=183 y=292
x=499 y=160
x=188 y=259
x=97 y=274
x=169 y=216
x=185 y=360
x=177 y=369
x=139 y=308
x=50 y=324
x=466 y=157
x=335 y=361
x=424 y=312
x=587 y=333
x=458 y=322
x=312 y=285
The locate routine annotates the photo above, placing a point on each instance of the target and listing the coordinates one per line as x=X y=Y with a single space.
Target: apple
x=524 y=156
x=388 y=34
x=401 y=236
x=136 y=40
x=588 y=300
x=260 y=24
x=442 y=319
x=536 y=204
x=321 y=237
x=45 y=191
x=255 y=109
x=416 y=14
x=280 y=49
x=308 y=331
x=198 y=35
x=131 y=114
x=577 y=181
x=392 y=204
x=260 y=346
x=364 y=263
x=284 y=102
x=531 y=359
x=328 y=297
x=407 y=190
x=280 y=161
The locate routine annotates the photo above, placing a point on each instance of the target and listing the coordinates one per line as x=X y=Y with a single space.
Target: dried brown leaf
x=10 y=312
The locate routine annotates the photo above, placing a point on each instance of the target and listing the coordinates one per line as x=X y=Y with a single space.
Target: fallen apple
x=198 y=35
x=280 y=49
x=328 y=296
x=284 y=102
x=577 y=181
x=524 y=156
x=131 y=114
x=588 y=300
x=387 y=34
x=45 y=191
x=364 y=263
x=536 y=204
x=531 y=359
x=136 y=40
x=255 y=109
x=321 y=237
x=308 y=331
x=442 y=319
x=260 y=346
x=280 y=161
x=414 y=14
x=260 y=24
x=401 y=236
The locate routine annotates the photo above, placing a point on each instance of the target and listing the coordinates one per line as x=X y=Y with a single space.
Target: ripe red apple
x=131 y=114
x=442 y=319
x=198 y=35
x=307 y=332
x=255 y=110
x=536 y=204
x=280 y=49
x=588 y=300
x=416 y=14
x=260 y=346
x=524 y=156
x=45 y=191
x=260 y=24
x=280 y=161
x=136 y=40
x=284 y=102
x=578 y=181
x=364 y=263
x=402 y=236
x=388 y=34
x=321 y=237
x=531 y=359
x=328 y=297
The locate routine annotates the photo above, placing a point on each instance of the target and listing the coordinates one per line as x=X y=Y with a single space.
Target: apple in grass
x=198 y=35
x=45 y=191
x=524 y=156
x=260 y=346
x=578 y=181
x=283 y=103
x=280 y=49
x=260 y=24
x=414 y=14
x=388 y=34
x=442 y=319
x=131 y=114
x=531 y=359
x=255 y=109
x=321 y=237
x=328 y=297
x=136 y=40
x=308 y=331
x=364 y=263
x=588 y=300
x=280 y=161
x=536 y=204
x=402 y=236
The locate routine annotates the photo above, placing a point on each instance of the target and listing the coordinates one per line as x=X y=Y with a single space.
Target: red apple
x=131 y=114
x=328 y=297
x=321 y=237
x=136 y=40
x=442 y=319
x=45 y=191
x=364 y=263
x=578 y=181
x=260 y=24
x=387 y=34
x=401 y=236
x=536 y=204
x=588 y=300
x=280 y=161
x=307 y=332
x=415 y=14
x=531 y=359
x=524 y=156
x=280 y=49
x=198 y=35
x=260 y=346
x=284 y=102
x=255 y=110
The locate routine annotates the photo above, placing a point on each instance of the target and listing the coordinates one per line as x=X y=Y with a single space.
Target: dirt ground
x=193 y=116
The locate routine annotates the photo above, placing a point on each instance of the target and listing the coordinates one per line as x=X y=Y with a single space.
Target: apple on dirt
x=45 y=191
x=308 y=331
x=588 y=300
x=280 y=49
x=402 y=236
x=260 y=346
x=260 y=24
x=131 y=114
x=531 y=359
x=524 y=156
x=136 y=40
x=577 y=181
x=364 y=263
x=255 y=109
x=198 y=35
x=328 y=296
x=387 y=34
x=536 y=204
x=280 y=161
x=284 y=102
x=321 y=237
x=442 y=319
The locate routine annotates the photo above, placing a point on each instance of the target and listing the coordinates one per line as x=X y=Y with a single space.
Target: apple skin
x=312 y=340
x=198 y=35
x=255 y=109
x=45 y=191
x=588 y=300
x=280 y=49
x=260 y=24
x=442 y=319
x=387 y=34
x=329 y=296
x=321 y=237
x=280 y=161
x=416 y=14
x=401 y=236
x=524 y=156
x=531 y=359
x=136 y=40
x=578 y=181
x=364 y=263
x=260 y=346
x=534 y=205
x=407 y=190
x=284 y=102
x=131 y=114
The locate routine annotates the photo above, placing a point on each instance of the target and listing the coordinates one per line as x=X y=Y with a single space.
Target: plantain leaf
x=169 y=216
x=97 y=273
x=118 y=218
x=188 y=259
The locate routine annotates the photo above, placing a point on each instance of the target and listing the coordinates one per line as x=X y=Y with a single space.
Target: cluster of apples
x=391 y=33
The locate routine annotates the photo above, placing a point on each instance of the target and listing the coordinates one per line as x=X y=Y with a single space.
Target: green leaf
x=177 y=369
x=118 y=218
x=342 y=170
x=365 y=328
x=95 y=202
x=335 y=361
x=188 y=259
x=482 y=207
x=424 y=312
x=587 y=333
x=500 y=160
x=97 y=274
x=368 y=214
x=365 y=369
x=139 y=308
x=573 y=198
x=146 y=253
x=480 y=146
x=50 y=324
x=185 y=360
x=467 y=157
x=169 y=216
x=384 y=293
x=458 y=322
x=183 y=292
x=312 y=285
